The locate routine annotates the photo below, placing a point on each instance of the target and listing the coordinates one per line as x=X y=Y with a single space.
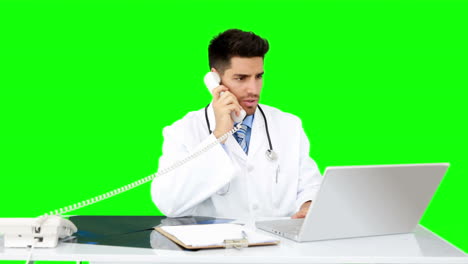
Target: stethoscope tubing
x=264 y=119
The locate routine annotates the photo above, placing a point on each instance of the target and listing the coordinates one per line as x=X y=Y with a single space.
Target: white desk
x=422 y=246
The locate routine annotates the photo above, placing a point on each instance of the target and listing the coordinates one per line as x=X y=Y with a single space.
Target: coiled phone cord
x=144 y=180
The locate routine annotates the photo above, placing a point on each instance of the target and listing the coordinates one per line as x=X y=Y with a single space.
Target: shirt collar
x=247 y=121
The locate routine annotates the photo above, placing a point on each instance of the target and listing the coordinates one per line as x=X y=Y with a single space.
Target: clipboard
x=187 y=236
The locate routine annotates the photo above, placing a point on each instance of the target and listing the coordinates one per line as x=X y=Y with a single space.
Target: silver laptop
x=360 y=201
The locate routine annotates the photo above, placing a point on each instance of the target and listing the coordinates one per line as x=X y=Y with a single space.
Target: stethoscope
x=270 y=154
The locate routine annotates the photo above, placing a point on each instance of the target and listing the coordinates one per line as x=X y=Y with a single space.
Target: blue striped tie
x=240 y=137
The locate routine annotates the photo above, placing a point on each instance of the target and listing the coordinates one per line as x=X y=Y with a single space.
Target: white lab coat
x=225 y=182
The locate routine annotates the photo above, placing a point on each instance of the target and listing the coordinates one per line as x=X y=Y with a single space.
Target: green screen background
x=86 y=88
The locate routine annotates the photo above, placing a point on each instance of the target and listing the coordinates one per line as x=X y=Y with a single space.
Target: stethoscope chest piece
x=271 y=155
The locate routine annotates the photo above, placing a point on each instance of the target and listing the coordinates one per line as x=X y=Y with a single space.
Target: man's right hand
x=223 y=105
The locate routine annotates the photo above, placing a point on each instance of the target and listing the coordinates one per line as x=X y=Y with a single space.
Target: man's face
x=245 y=80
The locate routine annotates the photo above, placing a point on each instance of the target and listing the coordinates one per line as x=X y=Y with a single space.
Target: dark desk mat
x=131 y=231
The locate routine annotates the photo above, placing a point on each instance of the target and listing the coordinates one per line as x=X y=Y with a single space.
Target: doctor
x=264 y=169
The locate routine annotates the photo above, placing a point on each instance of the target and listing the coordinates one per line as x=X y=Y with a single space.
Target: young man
x=237 y=178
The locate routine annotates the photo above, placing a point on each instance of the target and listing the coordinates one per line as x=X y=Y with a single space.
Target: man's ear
x=220 y=75
x=215 y=70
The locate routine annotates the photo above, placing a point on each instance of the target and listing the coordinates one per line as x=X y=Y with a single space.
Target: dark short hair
x=235 y=42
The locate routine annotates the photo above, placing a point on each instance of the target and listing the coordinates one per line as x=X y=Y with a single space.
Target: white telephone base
x=43 y=232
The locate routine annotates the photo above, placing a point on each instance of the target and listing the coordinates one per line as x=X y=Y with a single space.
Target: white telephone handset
x=212 y=80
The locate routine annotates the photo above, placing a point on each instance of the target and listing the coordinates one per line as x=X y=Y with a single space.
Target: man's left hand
x=303 y=211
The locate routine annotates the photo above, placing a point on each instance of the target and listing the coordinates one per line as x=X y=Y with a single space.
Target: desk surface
x=421 y=246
